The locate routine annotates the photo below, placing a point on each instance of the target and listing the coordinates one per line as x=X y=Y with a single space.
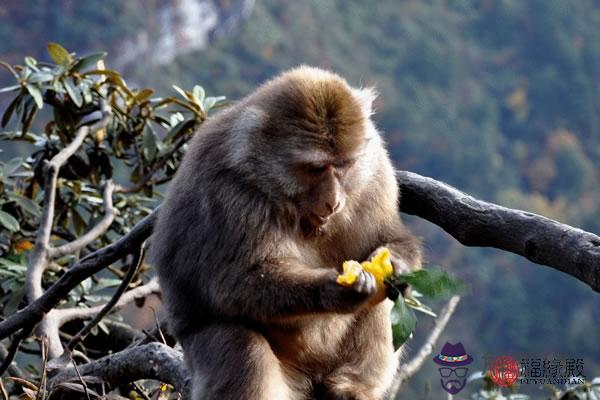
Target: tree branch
x=77 y=313
x=109 y=215
x=410 y=368
x=478 y=223
x=150 y=361
x=86 y=267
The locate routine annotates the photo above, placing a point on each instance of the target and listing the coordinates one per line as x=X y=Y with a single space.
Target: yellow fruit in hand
x=380 y=267
x=351 y=271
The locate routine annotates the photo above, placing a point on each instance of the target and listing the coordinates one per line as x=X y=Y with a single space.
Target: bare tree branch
x=478 y=223
x=86 y=267
x=109 y=215
x=41 y=254
x=78 y=313
x=150 y=361
x=410 y=368
x=39 y=258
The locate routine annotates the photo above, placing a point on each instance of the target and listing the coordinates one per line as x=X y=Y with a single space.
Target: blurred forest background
x=500 y=98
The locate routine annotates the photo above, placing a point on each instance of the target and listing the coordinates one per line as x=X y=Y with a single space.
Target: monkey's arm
x=406 y=253
x=287 y=288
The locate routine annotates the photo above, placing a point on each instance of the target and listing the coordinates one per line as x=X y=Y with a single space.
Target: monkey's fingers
x=366 y=283
x=400 y=266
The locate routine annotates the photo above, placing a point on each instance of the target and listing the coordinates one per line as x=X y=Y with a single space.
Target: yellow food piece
x=351 y=271
x=380 y=266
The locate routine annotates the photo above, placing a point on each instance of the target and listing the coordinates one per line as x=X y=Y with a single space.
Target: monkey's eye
x=315 y=170
x=345 y=164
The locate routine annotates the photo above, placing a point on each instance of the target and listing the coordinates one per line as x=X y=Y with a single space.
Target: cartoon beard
x=453 y=386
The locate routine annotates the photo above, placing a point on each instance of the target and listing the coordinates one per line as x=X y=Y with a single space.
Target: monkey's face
x=322 y=189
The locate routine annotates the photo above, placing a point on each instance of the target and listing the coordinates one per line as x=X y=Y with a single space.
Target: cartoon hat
x=453 y=355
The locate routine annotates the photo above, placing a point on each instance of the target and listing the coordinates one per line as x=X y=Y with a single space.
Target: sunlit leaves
x=59 y=54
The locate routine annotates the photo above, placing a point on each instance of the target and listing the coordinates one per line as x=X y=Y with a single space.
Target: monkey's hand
x=399 y=266
x=367 y=278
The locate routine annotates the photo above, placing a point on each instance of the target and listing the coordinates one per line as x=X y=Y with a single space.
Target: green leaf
x=184 y=93
x=10 y=88
x=143 y=95
x=26 y=204
x=40 y=76
x=35 y=92
x=78 y=222
x=31 y=63
x=73 y=91
x=88 y=61
x=59 y=54
x=8 y=221
x=199 y=94
x=12 y=306
x=432 y=282
x=105 y=72
x=28 y=114
x=403 y=322
x=149 y=142
x=179 y=129
x=210 y=102
x=10 y=109
x=11 y=166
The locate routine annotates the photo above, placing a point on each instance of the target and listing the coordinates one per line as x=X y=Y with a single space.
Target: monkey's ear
x=247 y=123
x=366 y=96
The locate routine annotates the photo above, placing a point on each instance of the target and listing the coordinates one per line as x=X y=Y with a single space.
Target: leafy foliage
x=140 y=149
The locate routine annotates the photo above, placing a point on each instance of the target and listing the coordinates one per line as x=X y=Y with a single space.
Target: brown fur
x=247 y=274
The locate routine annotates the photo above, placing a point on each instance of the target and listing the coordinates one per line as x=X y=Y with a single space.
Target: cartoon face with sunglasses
x=453 y=372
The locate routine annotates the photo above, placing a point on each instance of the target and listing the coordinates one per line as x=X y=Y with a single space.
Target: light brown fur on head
x=316 y=105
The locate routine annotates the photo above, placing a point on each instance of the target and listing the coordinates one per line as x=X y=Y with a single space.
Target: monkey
x=273 y=194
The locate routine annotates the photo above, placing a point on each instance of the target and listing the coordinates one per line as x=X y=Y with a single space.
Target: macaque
x=273 y=195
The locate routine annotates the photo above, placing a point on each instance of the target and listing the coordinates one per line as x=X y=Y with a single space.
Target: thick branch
x=410 y=368
x=150 y=361
x=109 y=215
x=86 y=267
x=478 y=223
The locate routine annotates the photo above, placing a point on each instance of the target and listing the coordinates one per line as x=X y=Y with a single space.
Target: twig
x=133 y=269
x=409 y=369
x=41 y=393
x=65 y=315
x=160 y=332
x=140 y=391
x=98 y=230
x=3 y=390
x=85 y=387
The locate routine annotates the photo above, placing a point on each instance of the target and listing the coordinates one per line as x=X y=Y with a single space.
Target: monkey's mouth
x=316 y=220
x=313 y=225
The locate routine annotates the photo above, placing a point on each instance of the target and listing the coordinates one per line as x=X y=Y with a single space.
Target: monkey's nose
x=334 y=208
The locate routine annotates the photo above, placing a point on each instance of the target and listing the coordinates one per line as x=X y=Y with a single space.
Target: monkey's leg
x=368 y=363
x=231 y=362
